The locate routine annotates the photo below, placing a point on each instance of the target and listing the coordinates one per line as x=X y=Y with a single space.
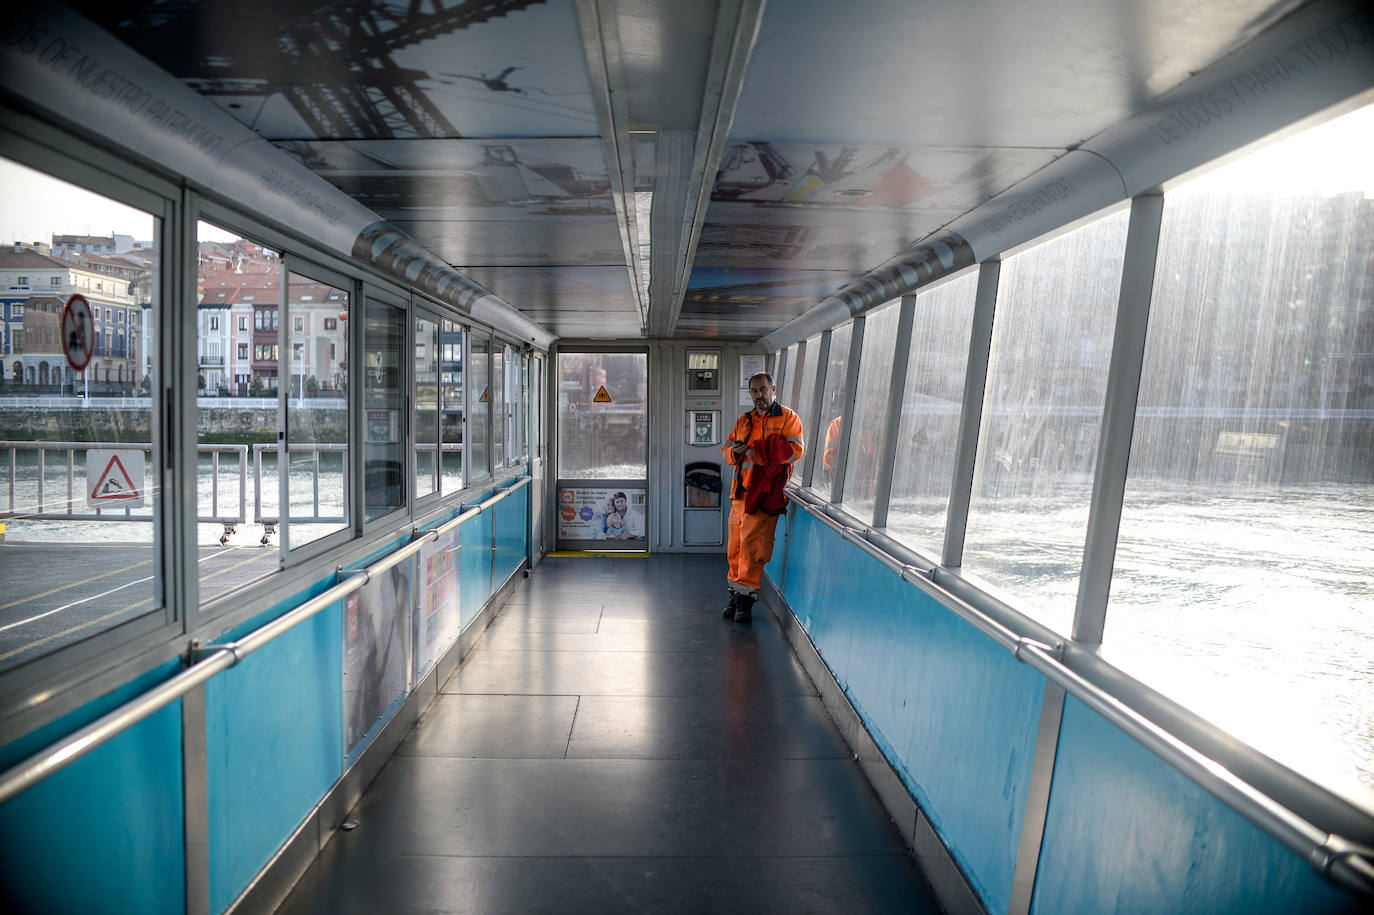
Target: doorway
x=602 y=479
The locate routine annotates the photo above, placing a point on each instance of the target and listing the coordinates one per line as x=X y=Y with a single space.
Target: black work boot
x=746 y=604
x=732 y=607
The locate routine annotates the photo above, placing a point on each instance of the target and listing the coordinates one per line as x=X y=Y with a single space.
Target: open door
x=602 y=486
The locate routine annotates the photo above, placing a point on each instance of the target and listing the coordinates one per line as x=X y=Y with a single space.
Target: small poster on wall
x=436 y=617
x=601 y=513
x=376 y=642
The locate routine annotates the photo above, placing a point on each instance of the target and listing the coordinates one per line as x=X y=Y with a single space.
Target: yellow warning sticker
x=484 y=398
x=601 y=395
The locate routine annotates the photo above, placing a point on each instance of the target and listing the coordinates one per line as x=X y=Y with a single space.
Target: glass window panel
x=806 y=394
x=316 y=413
x=384 y=447
x=832 y=406
x=1242 y=582
x=537 y=408
x=426 y=407
x=479 y=433
x=451 y=396
x=79 y=555
x=603 y=441
x=789 y=371
x=236 y=457
x=1042 y=408
x=932 y=402
x=521 y=411
x=498 y=404
x=870 y=410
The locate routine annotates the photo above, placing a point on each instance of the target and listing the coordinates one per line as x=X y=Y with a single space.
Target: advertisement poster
x=436 y=617
x=376 y=633
x=601 y=513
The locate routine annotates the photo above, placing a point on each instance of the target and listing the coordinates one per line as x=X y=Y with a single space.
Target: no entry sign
x=78 y=332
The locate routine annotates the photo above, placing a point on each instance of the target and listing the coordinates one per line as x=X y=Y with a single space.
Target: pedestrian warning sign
x=601 y=395
x=114 y=478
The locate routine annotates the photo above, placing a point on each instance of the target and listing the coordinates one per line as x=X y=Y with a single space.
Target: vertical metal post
x=195 y=795
x=896 y=391
x=1118 y=419
x=851 y=391
x=811 y=421
x=284 y=419
x=971 y=417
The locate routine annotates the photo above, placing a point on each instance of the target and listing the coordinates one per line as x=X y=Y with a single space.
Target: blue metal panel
x=474 y=573
x=105 y=834
x=955 y=714
x=1126 y=832
x=511 y=519
x=274 y=744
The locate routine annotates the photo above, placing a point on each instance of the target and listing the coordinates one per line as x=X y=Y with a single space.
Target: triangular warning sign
x=484 y=398
x=114 y=484
x=601 y=395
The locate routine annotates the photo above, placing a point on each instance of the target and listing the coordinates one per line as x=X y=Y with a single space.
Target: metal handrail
x=209 y=660
x=1341 y=861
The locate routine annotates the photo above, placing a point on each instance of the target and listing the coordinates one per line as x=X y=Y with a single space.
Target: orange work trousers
x=751 y=546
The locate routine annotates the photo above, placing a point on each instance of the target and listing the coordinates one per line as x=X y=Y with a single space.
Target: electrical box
x=703 y=427
x=703 y=372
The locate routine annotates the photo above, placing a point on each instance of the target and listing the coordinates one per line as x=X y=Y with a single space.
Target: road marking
x=240 y=565
x=57 y=635
x=84 y=581
x=76 y=603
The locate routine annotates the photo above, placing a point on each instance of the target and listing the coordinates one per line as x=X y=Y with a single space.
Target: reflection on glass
x=77 y=557
x=239 y=290
x=807 y=392
x=384 y=456
x=1242 y=582
x=832 y=406
x=607 y=440
x=1042 y=409
x=426 y=407
x=479 y=433
x=870 y=410
x=316 y=403
x=931 y=405
x=451 y=397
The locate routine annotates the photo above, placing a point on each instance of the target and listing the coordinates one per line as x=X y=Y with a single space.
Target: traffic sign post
x=78 y=332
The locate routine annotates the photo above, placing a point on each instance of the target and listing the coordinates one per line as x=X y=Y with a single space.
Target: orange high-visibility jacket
x=754 y=429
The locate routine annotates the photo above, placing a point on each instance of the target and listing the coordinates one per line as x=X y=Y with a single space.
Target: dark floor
x=612 y=745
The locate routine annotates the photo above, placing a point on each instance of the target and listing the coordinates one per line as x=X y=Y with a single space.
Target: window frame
x=69 y=676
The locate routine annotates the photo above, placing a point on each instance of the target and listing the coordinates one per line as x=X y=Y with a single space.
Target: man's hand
x=741 y=449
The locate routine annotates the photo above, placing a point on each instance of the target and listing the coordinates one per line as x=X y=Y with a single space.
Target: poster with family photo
x=376 y=644
x=601 y=513
x=436 y=614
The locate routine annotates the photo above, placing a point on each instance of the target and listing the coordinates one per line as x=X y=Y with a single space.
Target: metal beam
x=971 y=417
x=737 y=28
x=1118 y=419
x=896 y=392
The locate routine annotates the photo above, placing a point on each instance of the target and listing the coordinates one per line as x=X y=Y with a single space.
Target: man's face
x=763 y=394
x=620 y=504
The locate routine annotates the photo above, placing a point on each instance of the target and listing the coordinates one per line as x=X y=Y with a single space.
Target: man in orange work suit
x=751 y=535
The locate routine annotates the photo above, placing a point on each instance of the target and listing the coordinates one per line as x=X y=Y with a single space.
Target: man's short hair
x=764 y=375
